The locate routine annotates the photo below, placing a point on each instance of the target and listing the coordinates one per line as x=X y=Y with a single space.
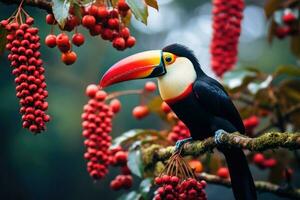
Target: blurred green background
x=51 y=165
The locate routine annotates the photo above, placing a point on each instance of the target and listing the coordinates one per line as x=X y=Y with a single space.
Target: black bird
x=197 y=99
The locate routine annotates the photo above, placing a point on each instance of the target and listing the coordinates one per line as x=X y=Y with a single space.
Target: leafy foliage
x=61 y=11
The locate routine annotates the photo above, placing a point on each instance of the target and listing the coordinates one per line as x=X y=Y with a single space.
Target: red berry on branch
x=282 y=31
x=88 y=21
x=69 y=57
x=102 y=12
x=268 y=163
x=50 y=41
x=125 y=33
x=150 y=86
x=119 y=43
x=115 y=105
x=130 y=42
x=91 y=90
x=93 y=10
x=121 y=157
x=123 y=6
x=101 y=95
x=78 y=39
x=258 y=158
x=50 y=19
x=288 y=16
x=223 y=172
x=140 y=112
x=165 y=107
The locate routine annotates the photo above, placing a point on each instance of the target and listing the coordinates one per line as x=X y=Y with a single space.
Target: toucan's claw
x=218 y=136
x=179 y=144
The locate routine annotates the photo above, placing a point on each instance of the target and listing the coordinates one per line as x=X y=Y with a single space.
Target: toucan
x=198 y=100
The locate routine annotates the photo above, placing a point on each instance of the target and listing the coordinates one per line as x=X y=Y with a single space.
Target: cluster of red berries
x=23 y=44
x=179 y=132
x=288 y=23
x=97 y=125
x=141 y=111
x=63 y=43
x=262 y=162
x=99 y=20
x=171 y=188
x=223 y=172
x=250 y=124
x=124 y=180
x=227 y=16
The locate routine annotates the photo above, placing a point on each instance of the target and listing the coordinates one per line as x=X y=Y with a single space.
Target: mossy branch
x=41 y=4
x=271 y=140
x=261 y=186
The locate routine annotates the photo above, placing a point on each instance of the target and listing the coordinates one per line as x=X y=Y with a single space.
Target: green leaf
x=133 y=135
x=239 y=79
x=287 y=70
x=152 y=3
x=254 y=87
x=145 y=187
x=61 y=11
x=3 y=40
x=77 y=10
x=130 y=196
x=134 y=162
x=139 y=9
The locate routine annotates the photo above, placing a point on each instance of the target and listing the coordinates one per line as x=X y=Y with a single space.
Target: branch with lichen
x=261 y=186
x=271 y=140
x=42 y=4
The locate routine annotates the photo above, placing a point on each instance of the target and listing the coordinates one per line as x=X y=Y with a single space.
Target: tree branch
x=261 y=186
x=42 y=4
x=272 y=140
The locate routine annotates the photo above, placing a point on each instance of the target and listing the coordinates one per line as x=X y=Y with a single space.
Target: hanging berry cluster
x=287 y=23
x=227 y=16
x=23 y=44
x=99 y=19
x=178 y=181
x=97 y=125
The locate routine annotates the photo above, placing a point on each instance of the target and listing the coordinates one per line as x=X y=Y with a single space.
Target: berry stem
x=122 y=93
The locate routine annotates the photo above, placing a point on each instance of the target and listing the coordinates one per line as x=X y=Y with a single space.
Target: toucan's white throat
x=180 y=75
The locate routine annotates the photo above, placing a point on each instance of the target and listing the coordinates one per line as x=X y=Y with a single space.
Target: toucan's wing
x=214 y=98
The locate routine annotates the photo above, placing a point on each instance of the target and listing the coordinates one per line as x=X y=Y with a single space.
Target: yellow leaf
x=152 y=3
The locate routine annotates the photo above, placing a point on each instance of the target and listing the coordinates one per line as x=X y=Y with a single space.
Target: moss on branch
x=261 y=186
x=271 y=140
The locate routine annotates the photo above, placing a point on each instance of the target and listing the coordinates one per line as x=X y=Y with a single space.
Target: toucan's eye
x=168 y=59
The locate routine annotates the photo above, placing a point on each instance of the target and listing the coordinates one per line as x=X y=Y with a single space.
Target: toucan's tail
x=241 y=179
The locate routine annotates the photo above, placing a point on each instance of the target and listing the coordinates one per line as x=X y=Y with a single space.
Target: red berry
x=91 y=90
x=113 y=23
x=115 y=105
x=69 y=57
x=258 y=158
x=71 y=23
x=62 y=39
x=165 y=107
x=50 y=19
x=140 y=112
x=130 y=42
x=101 y=95
x=119 y=43
x=50 y=41
x=289 y=17
x=125 y=32
x=223 y=172
x=282 y=31
x=121 y=157
x=88 y=21
x=123 y=6
x=78 y=39
x=150 y=86
x=115 y=185
x=93 y=10
x=102 y=12
x=271 y=162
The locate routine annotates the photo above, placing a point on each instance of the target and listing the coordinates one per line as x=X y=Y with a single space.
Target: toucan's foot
x=180 y=143
x=218 y=136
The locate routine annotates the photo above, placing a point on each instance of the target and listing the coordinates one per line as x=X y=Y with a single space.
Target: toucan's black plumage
x=207 y=109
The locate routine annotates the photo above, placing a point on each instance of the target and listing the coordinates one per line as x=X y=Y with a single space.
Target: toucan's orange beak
x=147 y=64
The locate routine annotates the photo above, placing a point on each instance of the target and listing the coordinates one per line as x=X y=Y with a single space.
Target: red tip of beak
x=136 y=66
